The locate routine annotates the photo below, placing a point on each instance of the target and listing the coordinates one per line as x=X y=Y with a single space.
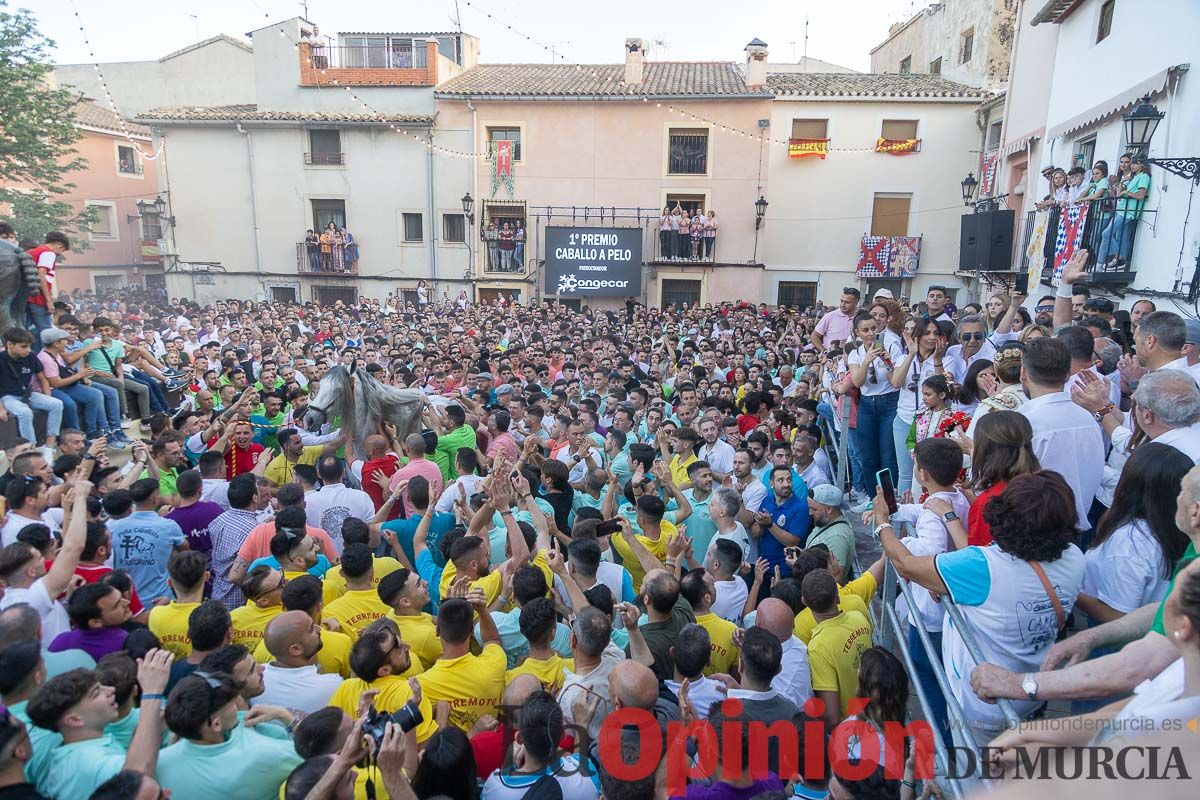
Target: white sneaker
x=861 y=507
x=858 y=496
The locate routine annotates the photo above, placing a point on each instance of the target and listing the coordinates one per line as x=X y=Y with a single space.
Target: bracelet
x=1061 y=286
x=910 y=784
x=1104 y=412
x=154 y=696
x=881 y=526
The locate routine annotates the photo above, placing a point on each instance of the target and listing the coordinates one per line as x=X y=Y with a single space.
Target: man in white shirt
x=1168 y=410
x=28 y=581
x=717 y=453
x=974 y=345
x=1066 y=438
x=936 y=298
x=748 y=485
x=291 y=679
x=786 y=381
x=794 y=680
x=328 y=508
x=724 y=561
x=693 y=651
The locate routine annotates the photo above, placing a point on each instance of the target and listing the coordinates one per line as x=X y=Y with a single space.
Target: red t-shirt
x=747 y=423
x=388 y=465
x=979 y=533
x=43 y=256
x=93 y=574
x=491 y=746
x=238 y=461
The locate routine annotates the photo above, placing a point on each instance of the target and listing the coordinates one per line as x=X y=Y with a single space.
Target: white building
x=1086 y=64
x=820 y=209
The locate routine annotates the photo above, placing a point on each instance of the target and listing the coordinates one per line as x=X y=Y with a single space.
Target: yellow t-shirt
x=678 y=469
x=280 y=470
x=834 y=651
x=471 y=684
x=724 y=652
x=394 y=693
x=548 y=671
x=333 y=658
x=335 y=585
x=169 y=623
x=854 y=596
x=355 y=610
x=657 y=548
x=420 y=633
x=490 y=583
x=250 y=623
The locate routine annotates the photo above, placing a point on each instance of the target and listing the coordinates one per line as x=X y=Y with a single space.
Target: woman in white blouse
x=1137 y=542
x=925 y=350
x=870 y=371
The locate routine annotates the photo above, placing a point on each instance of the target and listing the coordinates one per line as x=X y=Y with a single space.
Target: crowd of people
x=605 y=523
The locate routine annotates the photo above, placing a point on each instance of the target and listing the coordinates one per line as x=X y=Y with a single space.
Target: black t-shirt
x=20 y=791
x=15 y=374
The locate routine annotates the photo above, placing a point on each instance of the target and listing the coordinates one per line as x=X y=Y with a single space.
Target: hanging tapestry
x=904 y=257
x=803 y=148
x=897 y=147
x=1035 y=253
x=502 y=166
x=873 y=257
x=1071 y=222
x=988 y=163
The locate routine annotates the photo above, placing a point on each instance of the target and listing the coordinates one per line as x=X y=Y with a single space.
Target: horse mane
x=361 y=401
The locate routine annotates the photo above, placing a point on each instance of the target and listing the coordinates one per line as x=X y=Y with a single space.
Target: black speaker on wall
x=985 y=241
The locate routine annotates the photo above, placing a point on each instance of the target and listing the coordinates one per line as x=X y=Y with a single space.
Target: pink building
x=124 y=241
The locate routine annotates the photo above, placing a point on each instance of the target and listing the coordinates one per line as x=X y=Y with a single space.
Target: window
x=966 y=45
x=899 y=129
x=454 y=228
x=1106 y=19
x=1084 y=153
x=935 y=66
x=810 y=129
x=507 y=135
x=127 y=161
x=676 y=292
x=797 y=294
x=324 y=146
x=283 y=294
x=104 y=226
x=381 y=52
x=889 y=214
x=151 y=226
x=906 y=65
x=327 y=211
x=328 y=295
x=688 y=154
x=413 y=229
x=993 y=137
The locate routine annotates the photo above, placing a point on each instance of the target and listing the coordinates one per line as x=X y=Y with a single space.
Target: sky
x=842 y=32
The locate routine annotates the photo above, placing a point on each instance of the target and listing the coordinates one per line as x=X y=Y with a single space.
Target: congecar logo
x=569 y=284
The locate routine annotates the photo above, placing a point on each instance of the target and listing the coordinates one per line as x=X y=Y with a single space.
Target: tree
x=37 y=131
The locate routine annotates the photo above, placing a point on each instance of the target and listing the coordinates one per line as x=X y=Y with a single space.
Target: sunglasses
x=969 y=337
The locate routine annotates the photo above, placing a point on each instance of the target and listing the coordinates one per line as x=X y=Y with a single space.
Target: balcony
x=1103 y=234
x=673 y=248
x=316 y=262
x=324 y=159
x=368 y=65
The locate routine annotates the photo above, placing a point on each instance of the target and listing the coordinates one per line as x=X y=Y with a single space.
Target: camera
x=376 y=723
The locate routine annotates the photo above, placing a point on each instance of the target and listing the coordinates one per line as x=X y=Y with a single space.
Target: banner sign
x=502 y=166
x=597 y=262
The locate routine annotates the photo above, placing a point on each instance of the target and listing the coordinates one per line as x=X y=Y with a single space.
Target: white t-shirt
x=738 y=536
x=54 y=616
x=1013 y=619
x=445 y=503
x=571 y=780
x=1156 y=705
x=1126 y=570
x=297 y=688
x=328 y=508
x=731 y=599
x=880 y=383
x=14 y=523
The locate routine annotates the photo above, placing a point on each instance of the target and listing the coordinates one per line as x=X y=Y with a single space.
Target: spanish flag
x=802 y=148
x=897 y=147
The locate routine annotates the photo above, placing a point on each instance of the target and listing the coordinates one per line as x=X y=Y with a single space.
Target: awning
x=1116 y=104
x=1020 y=144
x=1055 y=11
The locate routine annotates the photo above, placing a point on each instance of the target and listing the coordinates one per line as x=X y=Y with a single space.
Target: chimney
x=756 y=63
x=635 y=56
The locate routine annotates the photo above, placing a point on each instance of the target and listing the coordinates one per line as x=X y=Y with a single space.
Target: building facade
x=1063 y=111
x=613 y=146
x=822 y=206
x=966 y=41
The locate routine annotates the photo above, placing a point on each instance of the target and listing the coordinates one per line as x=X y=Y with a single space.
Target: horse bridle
x=324 y=412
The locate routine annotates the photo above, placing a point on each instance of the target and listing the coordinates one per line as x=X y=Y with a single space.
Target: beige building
x=613 y=145
x=821 y=208
x=966 y=41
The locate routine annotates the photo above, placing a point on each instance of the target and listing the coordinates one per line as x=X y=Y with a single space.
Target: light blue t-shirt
x=42 y=745
x=406 y=530
x=77 y=769
x=65 y=661
x=246 y=766
x=319 y=569
x=700 y=527
x=515 y=645
x=431 y=573
x=142 y=544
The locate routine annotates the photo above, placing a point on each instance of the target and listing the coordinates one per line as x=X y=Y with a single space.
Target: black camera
x=376 y=723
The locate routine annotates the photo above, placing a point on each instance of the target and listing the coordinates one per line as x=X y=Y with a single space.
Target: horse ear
x=353 y=365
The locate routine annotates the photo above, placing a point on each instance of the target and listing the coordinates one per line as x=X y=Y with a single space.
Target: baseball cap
x=883 y=293
x=484 y=376
x=827 y=495
x=52 y=335
x=1193 y=331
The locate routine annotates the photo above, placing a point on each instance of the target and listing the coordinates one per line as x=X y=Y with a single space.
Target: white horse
x=362 y=402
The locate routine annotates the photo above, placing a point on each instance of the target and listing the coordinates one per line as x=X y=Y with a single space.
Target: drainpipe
x=253 y=202
x=433 y=228
x=475 y=194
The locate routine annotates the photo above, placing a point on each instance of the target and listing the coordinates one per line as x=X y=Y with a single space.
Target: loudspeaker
x=985 y=241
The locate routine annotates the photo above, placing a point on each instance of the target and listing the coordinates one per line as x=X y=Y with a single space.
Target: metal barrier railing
x=887 y=635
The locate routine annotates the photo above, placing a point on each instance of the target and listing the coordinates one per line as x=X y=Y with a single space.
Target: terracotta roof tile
x=250 y=112
x=660 y=79
x=93 y=115
x=867 y=85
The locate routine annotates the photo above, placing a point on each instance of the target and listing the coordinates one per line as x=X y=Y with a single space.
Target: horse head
x=332 y=400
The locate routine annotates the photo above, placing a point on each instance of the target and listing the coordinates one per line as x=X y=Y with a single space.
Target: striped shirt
x=228 y=532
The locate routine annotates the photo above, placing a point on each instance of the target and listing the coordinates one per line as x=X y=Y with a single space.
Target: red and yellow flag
x=897 y=147
x=803 y=148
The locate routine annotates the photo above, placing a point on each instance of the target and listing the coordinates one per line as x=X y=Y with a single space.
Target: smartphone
x=884 y=478
x=608 y=527
x=1022 y=284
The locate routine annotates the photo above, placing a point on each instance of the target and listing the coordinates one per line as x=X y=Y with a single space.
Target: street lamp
x=1140 y=125
x=760 y=211
x=468 y=204
x=969 y=185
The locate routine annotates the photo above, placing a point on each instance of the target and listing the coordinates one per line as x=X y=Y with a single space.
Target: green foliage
x=37 y=132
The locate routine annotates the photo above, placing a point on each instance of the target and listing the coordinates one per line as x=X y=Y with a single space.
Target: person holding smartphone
x=871 y=365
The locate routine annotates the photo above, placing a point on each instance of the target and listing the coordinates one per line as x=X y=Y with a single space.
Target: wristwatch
x=1029 y=685
x=950 y=516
